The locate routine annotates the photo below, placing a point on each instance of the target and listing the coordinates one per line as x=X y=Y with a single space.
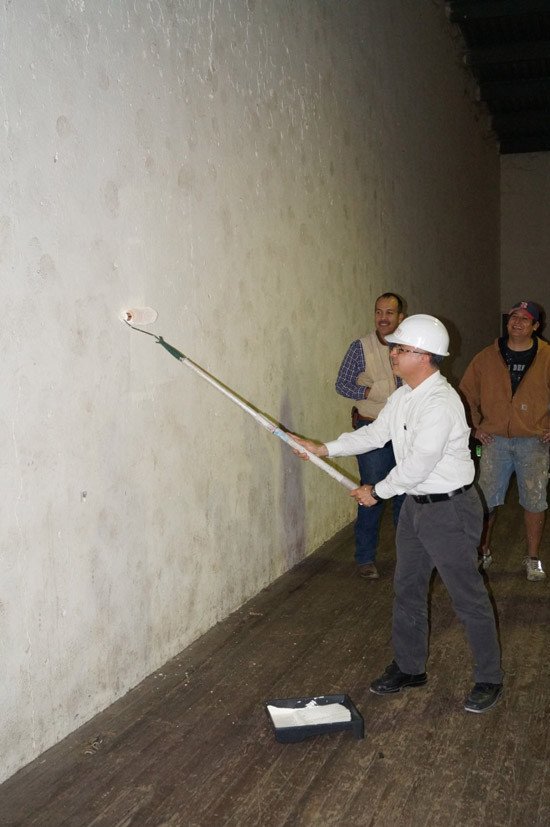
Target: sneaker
x=485 y=560
x=534 y=568
x=368 y=571
x=394 y=680
x=483 y=697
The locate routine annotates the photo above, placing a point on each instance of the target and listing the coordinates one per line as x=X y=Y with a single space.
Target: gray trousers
x=445 y=536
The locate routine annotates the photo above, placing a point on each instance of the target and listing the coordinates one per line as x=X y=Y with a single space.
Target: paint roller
x=146 y=315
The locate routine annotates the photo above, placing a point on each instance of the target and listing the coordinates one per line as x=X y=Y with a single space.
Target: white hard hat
x=422 y=331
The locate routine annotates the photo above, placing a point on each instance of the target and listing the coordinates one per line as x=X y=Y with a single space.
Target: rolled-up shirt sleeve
x=352 y=365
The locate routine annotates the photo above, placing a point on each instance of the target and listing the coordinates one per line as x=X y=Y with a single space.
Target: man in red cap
x=507 y=390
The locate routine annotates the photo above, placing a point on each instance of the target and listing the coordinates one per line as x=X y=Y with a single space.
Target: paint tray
x=298 y=732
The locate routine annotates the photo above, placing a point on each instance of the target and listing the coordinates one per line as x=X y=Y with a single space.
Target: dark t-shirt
x=518 y=361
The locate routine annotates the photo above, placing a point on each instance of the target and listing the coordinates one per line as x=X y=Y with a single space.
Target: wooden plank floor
x=191 y=746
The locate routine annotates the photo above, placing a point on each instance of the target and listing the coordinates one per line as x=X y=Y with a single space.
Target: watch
x=375 y=495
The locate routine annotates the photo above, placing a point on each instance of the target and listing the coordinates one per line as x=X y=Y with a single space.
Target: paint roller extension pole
x=146 y=315
x=260 y=418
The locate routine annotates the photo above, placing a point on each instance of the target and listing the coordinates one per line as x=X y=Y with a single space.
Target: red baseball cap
x=529 y=308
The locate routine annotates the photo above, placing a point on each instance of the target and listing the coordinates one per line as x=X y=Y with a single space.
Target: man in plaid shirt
x=366 y=376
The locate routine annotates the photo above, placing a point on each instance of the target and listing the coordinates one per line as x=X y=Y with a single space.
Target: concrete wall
x=525 y=245
x=258 y=173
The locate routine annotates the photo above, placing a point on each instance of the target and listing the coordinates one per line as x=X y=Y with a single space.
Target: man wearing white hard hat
x=442 y=516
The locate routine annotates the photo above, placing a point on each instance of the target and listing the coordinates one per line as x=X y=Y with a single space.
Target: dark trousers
x=444 y=536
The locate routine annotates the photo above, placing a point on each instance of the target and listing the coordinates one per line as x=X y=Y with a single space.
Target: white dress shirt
x=430 y=437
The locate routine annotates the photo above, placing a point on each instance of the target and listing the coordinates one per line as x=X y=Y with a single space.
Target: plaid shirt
x=352 y=365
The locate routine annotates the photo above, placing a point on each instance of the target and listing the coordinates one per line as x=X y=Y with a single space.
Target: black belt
x=437 y=498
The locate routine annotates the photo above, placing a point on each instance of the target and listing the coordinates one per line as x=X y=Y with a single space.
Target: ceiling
x=507 y=49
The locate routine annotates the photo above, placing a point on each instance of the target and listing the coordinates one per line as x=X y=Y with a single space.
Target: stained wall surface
x=258 y=173
x=525 y=245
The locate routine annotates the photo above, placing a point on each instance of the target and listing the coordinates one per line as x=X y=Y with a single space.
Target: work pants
x=442 y=535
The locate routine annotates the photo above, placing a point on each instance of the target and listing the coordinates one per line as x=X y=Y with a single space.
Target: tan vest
x=378 y=376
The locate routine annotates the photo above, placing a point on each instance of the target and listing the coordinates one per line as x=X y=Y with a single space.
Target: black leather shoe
x=483 y=697
x=394 y=680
